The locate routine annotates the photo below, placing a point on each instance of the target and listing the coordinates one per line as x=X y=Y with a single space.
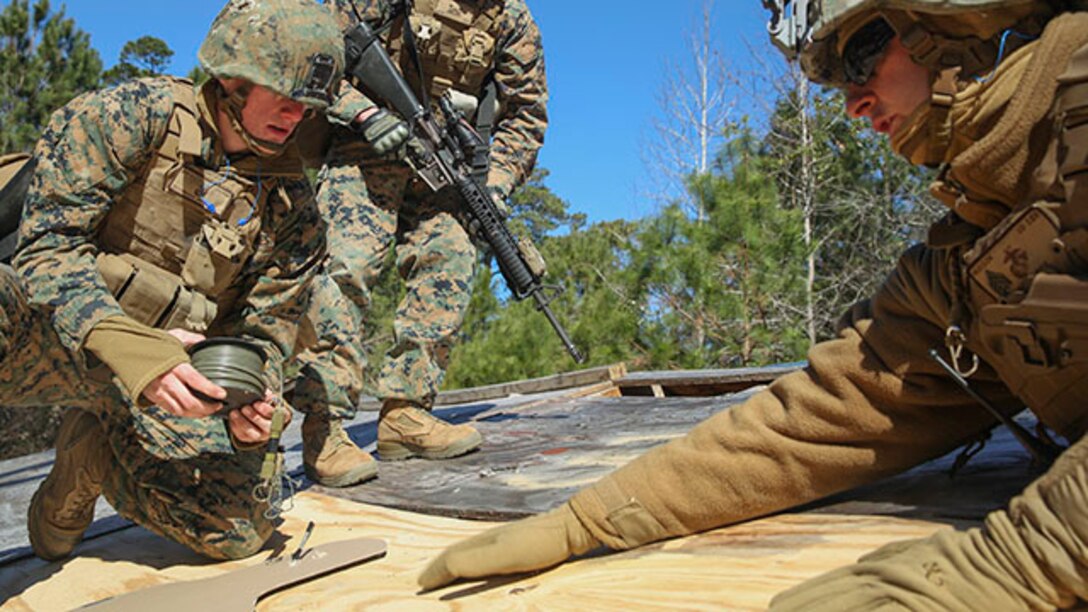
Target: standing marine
x=160 y=213
x=994 y=95
x=487 y=56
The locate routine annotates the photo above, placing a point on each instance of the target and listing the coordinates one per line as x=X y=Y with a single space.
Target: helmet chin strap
x=233 y=105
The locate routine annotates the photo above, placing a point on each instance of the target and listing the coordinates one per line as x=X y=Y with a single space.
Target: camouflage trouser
x=369 y=209
x=179 y=478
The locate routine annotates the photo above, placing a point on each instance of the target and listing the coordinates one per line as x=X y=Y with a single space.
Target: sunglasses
x=864 y=49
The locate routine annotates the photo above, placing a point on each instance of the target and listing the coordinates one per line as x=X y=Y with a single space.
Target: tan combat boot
x=63 y=506
x=329 y=457
x=405 y=430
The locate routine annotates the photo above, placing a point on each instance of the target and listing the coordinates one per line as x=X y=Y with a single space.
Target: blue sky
x=606 y=62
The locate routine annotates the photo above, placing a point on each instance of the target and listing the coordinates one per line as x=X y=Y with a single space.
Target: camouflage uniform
x=182 y=478
x=377 y=204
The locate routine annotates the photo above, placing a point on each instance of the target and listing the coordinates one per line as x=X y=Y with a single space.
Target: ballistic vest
x=456 y=41
x=180 y=235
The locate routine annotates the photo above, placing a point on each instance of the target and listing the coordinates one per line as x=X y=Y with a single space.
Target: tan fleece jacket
x=871 y=403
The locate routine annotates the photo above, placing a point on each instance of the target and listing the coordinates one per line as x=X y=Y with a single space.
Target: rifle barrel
x=542 y=306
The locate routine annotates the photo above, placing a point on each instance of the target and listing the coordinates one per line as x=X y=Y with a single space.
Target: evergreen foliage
x=144 y=57
x=45 y=61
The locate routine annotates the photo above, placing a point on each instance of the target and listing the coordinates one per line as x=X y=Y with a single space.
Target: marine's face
x=897 y=87
x=269 y=116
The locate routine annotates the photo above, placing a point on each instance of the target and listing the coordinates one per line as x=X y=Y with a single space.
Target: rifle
x=440 y=156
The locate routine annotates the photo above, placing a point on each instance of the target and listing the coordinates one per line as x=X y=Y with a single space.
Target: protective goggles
x=863 y=51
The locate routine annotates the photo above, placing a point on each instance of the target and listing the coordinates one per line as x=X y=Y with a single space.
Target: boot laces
x=80 y=500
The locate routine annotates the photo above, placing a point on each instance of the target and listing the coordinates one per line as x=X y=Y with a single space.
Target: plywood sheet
x=736 y=568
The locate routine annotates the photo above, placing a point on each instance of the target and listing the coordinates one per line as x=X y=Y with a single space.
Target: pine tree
x=45 y=61
x=144 y=57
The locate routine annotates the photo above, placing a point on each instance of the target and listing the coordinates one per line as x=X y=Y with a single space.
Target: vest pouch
x=475 y=51
x=1041 y=345
x=1003 y=262
x=458 y=50
x=426 y=30
x=215 y=257
x=153 y=296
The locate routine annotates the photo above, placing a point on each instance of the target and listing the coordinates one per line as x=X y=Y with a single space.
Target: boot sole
x=399 y=451
x=359 y=475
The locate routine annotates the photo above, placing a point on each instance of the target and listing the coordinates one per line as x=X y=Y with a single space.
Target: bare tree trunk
x=694 y=117
x=808 y=203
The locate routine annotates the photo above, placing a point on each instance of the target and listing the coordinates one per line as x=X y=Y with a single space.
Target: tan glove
x=135 y=353
x=1032 y=556
x=534 y=543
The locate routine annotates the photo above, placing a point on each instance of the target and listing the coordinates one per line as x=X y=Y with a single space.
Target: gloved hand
x=534 y=543
x=499 y=197
x=384 y=131
x=1032 y=556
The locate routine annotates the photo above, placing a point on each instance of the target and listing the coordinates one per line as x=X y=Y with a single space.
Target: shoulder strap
x=185 y=122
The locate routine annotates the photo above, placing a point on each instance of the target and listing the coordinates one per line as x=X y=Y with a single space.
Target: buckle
x=319 y=80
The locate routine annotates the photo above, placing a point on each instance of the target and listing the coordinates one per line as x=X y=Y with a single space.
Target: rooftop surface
x=543 y=441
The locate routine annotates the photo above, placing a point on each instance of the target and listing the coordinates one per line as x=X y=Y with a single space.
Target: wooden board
x=736 y=568
x=563 y=380
x=700 y=383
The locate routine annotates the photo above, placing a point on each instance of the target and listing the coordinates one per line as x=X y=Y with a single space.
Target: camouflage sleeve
x=523 y=98
x=272 y=295
x=348 y=104
x=91 y=150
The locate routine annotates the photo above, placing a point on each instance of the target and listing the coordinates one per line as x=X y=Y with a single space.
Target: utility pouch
x=1042 y=344
x=1000 y=267
x=153 y=296
x=215 y=257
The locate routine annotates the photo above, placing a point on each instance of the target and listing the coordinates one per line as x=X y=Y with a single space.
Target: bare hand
x=365 y=114
x=186 y=337
x=252 y=423
x=173 y=392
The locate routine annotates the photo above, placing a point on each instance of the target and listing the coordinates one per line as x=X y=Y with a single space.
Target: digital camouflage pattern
x=179 y=477
x=273 y=43
x=517 y=68
x=376 y=205
x=433 y=253
x=176 y=477
x=94 y=149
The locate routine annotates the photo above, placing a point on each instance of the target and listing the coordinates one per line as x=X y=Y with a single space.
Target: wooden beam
x=700 y=382
x=555 y=382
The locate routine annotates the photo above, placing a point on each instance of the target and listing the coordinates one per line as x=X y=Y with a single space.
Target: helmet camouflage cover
x=292 y=47
x=814 y=31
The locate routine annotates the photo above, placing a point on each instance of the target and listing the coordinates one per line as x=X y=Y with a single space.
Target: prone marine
x=993 y=94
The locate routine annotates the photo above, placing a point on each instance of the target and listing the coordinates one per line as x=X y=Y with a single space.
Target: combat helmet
x=939 y=34
x=292 y=47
